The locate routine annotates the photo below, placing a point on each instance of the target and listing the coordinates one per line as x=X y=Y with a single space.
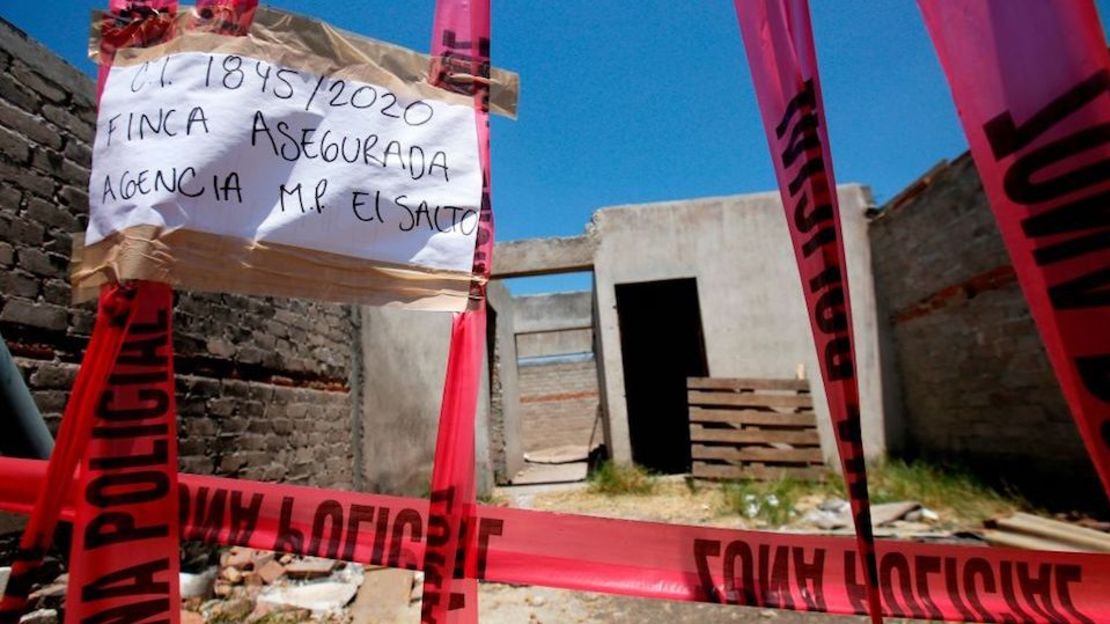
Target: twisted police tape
x=1031 y=81
x=778 y=39
x=633 y=558
x=460 y=46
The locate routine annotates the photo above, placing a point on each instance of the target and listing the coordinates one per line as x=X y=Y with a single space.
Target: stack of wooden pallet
x=753 y=429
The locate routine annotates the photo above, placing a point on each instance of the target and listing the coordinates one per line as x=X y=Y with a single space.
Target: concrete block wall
x=976 y=385
x=505 y=451
x=263 y=384
x=559 y=403
x=404 y=363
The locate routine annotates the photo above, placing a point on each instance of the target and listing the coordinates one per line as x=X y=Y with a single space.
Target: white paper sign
x=240 y=147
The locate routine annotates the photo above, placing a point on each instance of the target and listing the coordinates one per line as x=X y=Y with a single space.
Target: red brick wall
x=558 y=404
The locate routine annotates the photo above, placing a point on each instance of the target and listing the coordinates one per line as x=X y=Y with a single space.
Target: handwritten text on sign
x=244 y=148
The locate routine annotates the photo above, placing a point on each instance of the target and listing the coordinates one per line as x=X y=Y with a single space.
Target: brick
x=24 y=232
x=7 y=255
x=37 y=83
x=232 y=463
x=69 y=122
x=50 y=214
x=41 y=263
x=27 y=179
x=87 y=113
x=81 y=321
x=200 y=427
x=77 y=199
x=14 y=147
x=57 y=165
x=57 y=291
x=234 y=425
x=10 y=198
x=50 y=401
x=19 y=284
x=17 y=94
x=29 y=125
x=42 y=315
x=60 y=242
x=196 y=465
x=221 y=406
x=78 y=152
x=54 y=376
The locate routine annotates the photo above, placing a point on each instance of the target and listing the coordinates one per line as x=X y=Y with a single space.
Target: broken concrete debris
x=836 y=513
x=384 y=594
x=310 y=568
x=249 y=586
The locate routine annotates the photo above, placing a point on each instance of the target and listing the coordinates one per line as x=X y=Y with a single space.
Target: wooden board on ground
x=383 y=596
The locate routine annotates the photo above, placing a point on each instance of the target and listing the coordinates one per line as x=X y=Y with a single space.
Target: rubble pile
x=261 y=587
x=253 y=585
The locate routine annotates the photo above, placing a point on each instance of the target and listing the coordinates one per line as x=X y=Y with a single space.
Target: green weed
x=613 y=479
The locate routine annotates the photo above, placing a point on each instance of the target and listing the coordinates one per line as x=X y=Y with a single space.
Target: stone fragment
x=310 y=568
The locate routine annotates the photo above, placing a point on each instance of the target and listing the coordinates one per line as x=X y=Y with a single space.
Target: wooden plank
x=751 y=417
x=753 y=436
x=749 y=453
x=762 y=473
x=700 y=397
x=721 y=383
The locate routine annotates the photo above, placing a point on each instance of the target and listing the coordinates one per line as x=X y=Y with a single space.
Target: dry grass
x=630 y=492
x=614 y=479
x=957 y=495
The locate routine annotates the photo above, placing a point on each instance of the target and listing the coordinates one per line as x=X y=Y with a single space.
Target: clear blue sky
x=627 y=102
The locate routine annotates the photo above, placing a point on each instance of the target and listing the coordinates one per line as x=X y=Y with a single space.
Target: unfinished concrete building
x=950 y=364
x=711 y=291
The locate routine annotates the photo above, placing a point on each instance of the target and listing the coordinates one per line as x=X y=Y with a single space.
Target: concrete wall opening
x=662 y=344
x=557 y=371
x=545 y=400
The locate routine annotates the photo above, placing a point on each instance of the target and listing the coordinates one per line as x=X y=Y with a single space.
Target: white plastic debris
x=198 y=585
x=323 y=597
x=40 y=616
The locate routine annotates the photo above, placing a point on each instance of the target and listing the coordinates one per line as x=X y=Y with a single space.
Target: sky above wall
x=630 y=102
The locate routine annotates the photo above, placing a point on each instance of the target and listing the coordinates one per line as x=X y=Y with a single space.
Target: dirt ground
x=673 y=501
x=504 y=604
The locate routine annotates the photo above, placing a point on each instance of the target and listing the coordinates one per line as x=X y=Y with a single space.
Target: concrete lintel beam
x=543 y=256
x=570 y=325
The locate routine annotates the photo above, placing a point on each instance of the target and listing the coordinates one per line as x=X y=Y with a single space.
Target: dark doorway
x=661 y=345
